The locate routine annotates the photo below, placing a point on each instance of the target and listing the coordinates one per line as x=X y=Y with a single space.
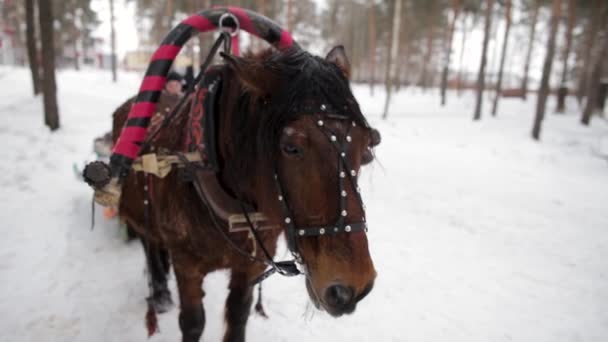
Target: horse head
x=292 y=144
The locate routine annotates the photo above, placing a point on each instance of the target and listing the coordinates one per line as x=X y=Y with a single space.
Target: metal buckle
x=238 y=222
x=223 y=28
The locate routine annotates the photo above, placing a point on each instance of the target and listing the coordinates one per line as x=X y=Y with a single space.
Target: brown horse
x=281 y=116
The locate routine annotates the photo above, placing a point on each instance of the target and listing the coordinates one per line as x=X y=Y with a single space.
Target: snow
x=478 y=233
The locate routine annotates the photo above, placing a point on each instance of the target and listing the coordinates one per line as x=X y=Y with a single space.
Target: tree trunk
x=502 y=56
x=76 y=58
x=372 y=45
x=492 y=67
x=360 y=47
x=401 y=55
x=204 y=44
x=394 y=48
x=75 y=36
x=85 y=50
x=461 y=62
x=112 y=42
x=289 y=15
x=563 y=91
x=169 y=15
x=351 y=40
x=49 y=89
x=524 y=82
x=261 y=8
x=591 y=31
x=191 y=10
x=593 y=85
x=402 y=62
x=484 y=56
x=430 y=29
x=543 y=91
x=448 y=50
x=32 y=52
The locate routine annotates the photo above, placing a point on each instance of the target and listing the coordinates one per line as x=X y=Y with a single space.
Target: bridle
x=345 y=174
x=345 y=171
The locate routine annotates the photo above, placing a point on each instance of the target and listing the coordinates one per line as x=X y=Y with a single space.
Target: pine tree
x=32 y=51
x=448 y=49
x=524 y=82
x=563 y=90
x=593 y=84
x=484 y=57
x=49 y=88
x=394 y=47
x=543 y=91
x=372 y=44
x=430 y=28
x=593 y=23
x=112 y=41
x=503 y=55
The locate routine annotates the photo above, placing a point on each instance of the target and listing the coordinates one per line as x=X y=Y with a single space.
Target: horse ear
x=251 y=73
x=337 y=55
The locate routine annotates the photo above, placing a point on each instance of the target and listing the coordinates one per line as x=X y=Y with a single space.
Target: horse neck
x=231 y=111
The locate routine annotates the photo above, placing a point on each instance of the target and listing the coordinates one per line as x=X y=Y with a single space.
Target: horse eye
x=291 y=150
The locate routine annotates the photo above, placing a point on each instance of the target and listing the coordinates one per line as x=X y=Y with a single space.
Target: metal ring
x=221 y=27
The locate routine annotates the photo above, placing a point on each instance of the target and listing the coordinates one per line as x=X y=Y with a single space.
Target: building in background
x=12 y=49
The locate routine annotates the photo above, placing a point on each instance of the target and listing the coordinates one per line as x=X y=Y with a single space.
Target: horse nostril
x=376 y=138
x=338 y=296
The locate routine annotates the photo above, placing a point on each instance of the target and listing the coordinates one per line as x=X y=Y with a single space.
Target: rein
x=224 y=39
x=345 y=173
x=290 y=267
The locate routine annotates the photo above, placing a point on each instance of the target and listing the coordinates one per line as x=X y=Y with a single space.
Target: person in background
x=188 y=77
x=174 y=83
x=171 y=93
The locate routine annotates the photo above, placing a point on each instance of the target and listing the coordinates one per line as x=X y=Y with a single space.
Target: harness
x=345 y=174
x=201 y=136
x=199 y=158
x=201 y=132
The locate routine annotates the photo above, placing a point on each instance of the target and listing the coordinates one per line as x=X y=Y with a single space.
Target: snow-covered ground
x=478 y=233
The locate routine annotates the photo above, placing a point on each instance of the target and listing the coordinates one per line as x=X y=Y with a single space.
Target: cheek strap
x=344 y=172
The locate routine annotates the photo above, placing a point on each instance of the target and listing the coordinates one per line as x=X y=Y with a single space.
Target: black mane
x=256 y=122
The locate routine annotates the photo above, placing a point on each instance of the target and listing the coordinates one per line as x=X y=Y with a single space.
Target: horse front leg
x=157 y=261
x=189 y=283
x=238 y=306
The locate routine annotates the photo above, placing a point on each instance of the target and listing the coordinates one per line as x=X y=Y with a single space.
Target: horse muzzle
x=337 y=299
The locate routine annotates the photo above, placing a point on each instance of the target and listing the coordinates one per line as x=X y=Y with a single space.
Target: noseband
x=340 y=146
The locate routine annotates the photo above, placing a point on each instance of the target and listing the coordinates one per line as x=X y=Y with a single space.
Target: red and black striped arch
x=134 y=132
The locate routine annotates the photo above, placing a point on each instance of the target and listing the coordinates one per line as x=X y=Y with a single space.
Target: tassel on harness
x=259 y=309
x=151 y=319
